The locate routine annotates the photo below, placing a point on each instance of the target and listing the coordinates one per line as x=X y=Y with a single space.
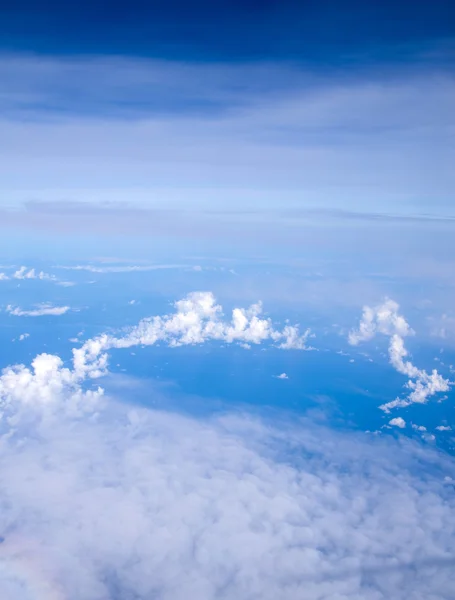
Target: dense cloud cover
x=128 y=503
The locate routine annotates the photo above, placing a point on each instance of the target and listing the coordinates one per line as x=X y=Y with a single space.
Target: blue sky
x=227 y=324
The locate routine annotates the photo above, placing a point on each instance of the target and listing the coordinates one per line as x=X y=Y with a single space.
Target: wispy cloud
x=119 y=268
x=40 y=310
x=212 y=508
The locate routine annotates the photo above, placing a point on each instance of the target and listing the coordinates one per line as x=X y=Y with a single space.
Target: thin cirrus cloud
x=41 y=310
x=386 y=320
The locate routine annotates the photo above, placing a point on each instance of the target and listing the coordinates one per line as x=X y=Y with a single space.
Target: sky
x=227 y=324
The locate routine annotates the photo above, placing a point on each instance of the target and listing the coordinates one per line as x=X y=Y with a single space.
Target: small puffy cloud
x=40 y=310
x=3 y=277
x=444 y=428
x=418 y=427
x=386 y=320
x=23 y=336
x=398 y=422
x=282 y=376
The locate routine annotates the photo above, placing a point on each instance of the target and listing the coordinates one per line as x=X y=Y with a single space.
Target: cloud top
x=385 y=319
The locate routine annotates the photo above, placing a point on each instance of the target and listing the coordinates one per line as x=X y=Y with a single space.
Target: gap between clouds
x=386 y=320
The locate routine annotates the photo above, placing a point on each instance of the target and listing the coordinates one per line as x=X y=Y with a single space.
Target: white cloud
x=282 y=376
x=385 y=319
x=419 y=427
x=40 y=310
x=132 y=503
x=101 y=500
x=444 y=428
x=197 y=319
x=23 y=273
x=398 y=422
x=23 y=336
x=119 y=268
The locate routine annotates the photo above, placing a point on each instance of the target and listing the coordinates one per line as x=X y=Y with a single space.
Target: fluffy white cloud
x=398 y=422
x=383 y=318
x=444 y=428
x=282 y=376
x=386 y=320
x=23 y=336
x=40 y=310
x=3 y=277
x=418 y=427
x=197 y=319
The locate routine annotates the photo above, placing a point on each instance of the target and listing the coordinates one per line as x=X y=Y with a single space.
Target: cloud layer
x=105 y=501
x=124 y=504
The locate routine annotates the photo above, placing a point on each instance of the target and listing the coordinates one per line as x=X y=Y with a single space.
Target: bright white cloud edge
x=385 y=319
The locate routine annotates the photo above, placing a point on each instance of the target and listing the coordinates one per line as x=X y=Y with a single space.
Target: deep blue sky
x=328 y=31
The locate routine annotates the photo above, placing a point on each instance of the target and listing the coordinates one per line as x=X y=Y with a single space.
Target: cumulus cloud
x=386 y=320
x=383 y=318
x=418 y=427
x=398 y=422
x=23 y=273
x=282 y=376
x=197 y=319
x=40 y=310
x=444 y=428
x=23 y=336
